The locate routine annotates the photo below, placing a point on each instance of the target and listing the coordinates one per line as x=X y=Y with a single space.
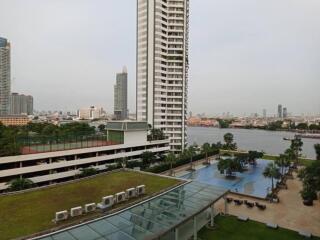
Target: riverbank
x=271 y=142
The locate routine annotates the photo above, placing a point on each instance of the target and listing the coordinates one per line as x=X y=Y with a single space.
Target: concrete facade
x=121 y=95
x=162 y=67
x=20 y=104
x=5 y=76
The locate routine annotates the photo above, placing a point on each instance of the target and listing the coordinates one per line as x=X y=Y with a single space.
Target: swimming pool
x=250 y=182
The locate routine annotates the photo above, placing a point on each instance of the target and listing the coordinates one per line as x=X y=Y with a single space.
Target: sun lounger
x=249 y=204
x=260 y=206
x=305 y=234
x=238 y=202
x=272 y=225
x=243 y=218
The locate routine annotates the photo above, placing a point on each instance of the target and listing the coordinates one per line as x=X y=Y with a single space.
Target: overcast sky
x=245 y=55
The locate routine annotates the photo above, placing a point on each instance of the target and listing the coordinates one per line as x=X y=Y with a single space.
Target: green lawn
x=303 y=161
x=27 y=213
x=232 y=229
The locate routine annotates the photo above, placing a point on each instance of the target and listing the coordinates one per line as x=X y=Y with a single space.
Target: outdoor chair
x=229 y=200
x=238 y=202
x=260 y=206
x=249 y=204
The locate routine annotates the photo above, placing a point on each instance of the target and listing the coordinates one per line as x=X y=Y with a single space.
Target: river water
x=270 y=142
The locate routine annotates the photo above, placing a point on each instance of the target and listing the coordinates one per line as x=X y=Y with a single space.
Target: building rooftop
x=151 y=219
x=127 y=126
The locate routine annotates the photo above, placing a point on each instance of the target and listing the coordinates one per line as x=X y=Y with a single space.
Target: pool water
x=250 y=182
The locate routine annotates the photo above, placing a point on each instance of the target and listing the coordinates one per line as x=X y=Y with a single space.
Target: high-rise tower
x=162 y=66
x=121 y=95
x=5 y=79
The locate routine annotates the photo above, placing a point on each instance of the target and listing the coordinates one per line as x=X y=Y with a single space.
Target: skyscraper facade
x=121 y=95
x=5 y=78
x=285 y=112
x=20 y=104
x=280 y=111
x=162 y=67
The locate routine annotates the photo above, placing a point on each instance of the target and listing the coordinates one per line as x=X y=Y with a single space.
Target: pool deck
x=289 y=213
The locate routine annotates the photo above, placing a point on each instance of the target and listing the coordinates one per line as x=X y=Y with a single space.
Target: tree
x=86 y=172
x=170 y=158
x=310 y=177
x=206 y=149
x=147 y=158
x=101 y=127
x=229 y=166
x=228 y=138
x=253 y=155
x=271 y=171
x=317 y=149
x=190 y=152
x=283 y=161
x=296 y=147
x=20 y=184
x=302 y=126
x=156 y=134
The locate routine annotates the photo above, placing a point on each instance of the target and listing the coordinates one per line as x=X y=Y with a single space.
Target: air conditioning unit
x=140 y=190
x=120 y=197
x=76 y=211
x=108 y=201
x=90 y=207
x=62 y=215
x=130 y=193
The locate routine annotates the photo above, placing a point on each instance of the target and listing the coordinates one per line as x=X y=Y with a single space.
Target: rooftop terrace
x=33 y=211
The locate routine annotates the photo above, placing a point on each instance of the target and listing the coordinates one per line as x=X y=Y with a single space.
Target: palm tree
x=229 y=166
x=317 y=148
x=228 y=138
x=271 y=171
x=206 y=148
x=191 y=151
x=171 y=158
x=20 y=184
x=296 y=148
x=282 y=162
x=147 y=158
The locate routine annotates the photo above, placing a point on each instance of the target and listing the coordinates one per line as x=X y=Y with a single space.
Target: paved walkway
x=289 y=213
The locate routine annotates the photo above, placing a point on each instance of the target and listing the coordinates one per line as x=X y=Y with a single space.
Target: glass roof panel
x=153 y=217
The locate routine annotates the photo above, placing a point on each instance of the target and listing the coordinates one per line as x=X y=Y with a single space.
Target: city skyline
x=251 y=63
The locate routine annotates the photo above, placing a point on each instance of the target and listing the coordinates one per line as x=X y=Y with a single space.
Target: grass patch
x=303 y=161
x=28 y=213
x=232 y=229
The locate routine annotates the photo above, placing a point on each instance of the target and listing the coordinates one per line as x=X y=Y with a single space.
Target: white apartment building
x=59 y=166
x=162 y=66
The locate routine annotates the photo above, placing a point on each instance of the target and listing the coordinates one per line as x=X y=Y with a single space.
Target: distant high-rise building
x=162 y=67
x=5 y=76
x=90 y=113
x=285 y=112
x=121 y=95
x=20 y=104
x=264 y=113
x=280 y=111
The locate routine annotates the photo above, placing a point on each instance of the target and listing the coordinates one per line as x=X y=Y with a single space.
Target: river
x=270 y=142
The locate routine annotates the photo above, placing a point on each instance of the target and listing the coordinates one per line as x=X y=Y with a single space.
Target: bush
x=308 y=194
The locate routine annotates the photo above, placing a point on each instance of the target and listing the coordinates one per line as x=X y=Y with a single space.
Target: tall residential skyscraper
x=264 y=113
x=285 y=112
x=162 y=67
x=280 y=111
x=20 y=104
x=5 y=78
x=121 y=95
